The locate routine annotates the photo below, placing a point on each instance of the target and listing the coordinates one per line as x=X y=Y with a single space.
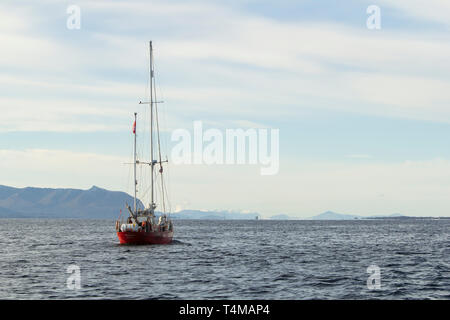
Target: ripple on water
x=228 y=260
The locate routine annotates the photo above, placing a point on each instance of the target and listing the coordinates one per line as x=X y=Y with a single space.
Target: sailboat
x=141 y=226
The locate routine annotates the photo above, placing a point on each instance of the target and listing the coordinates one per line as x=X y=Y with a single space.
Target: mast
x=135 y=181
x=151 y=124
x=154 y=114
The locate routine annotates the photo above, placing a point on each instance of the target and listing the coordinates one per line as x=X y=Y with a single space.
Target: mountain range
x=94 y=203
x=330 y=215
x=99 y=203
x=33 y=202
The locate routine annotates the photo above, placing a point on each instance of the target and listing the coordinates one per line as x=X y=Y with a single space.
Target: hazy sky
x=363 y=115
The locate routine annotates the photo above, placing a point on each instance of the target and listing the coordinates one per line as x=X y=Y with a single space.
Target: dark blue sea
x=227 y=260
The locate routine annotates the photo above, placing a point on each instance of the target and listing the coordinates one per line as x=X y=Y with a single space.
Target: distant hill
x=213 y=215
x=282 y=217
x=96 y=203
x=330 y=215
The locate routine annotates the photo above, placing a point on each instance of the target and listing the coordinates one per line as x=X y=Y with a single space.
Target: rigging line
x=144 y=112
x=159 y=147
x=145 y=193
x=167 y=195
x=167 y=171
x=165 y=144
x=167 y=187
x=163 y=120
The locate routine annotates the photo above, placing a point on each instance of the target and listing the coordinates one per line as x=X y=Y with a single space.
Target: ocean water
x=228 y=260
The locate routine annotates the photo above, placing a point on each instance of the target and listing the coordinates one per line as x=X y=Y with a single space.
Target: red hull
x=154 y=237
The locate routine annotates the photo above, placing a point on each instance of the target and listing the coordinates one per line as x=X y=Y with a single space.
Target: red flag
x=134 y=127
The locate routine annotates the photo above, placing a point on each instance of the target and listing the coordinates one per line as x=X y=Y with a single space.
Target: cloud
x=18 y=114
x=435 y=10
x=229 y=68
x=306 y=188
x=300 y=189
x=231 y=63
x=62 y=168
x=359 y=156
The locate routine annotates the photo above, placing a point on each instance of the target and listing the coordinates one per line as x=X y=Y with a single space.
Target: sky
x=363 y=114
